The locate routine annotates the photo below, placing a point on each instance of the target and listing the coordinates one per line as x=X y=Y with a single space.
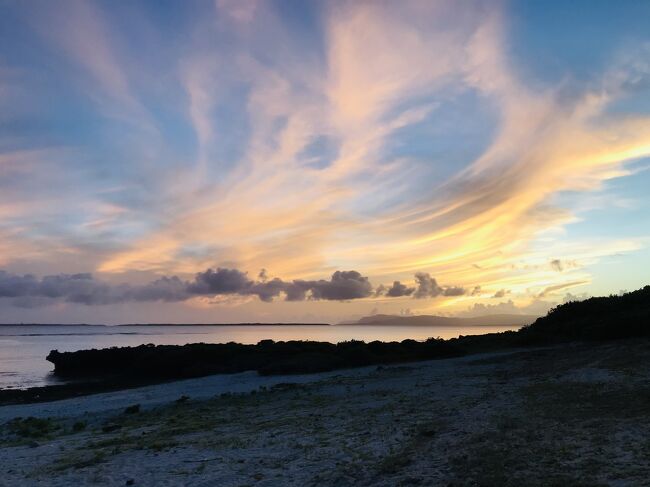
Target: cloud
x=167 y=289
x=81 y=30
x=262 y=276
x=560 y=265
x=343 y=285
x=569 y=297
x=30 y=291
x=557 y=287
x=427 y=287
x=398 y=289
x=239 y=10
x=221 y=281
x=484 y=214
x=500 y=293
x=380 y=290
x=536 y=307
x=454 y=291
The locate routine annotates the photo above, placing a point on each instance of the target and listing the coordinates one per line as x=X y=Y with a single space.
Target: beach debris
x=134 y=409
x=109 y=428
x=286 y=386
x=203 y=460
x=182 y=399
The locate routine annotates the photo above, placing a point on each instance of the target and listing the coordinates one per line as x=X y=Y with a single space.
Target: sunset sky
x=205 y=161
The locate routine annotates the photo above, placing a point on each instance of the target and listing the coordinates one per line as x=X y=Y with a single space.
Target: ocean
x=23 y=348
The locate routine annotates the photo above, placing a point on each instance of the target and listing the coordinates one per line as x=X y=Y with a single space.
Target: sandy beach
x=569 y=415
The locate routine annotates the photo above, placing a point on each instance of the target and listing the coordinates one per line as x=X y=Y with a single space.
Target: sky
x=243 y=161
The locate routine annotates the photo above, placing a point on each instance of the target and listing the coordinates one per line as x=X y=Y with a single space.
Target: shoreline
x=112 y=369
x=154 y=394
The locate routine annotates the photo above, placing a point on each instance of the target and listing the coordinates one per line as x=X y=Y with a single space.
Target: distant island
x=374 y=320
x=224 y=324
x=433 y=320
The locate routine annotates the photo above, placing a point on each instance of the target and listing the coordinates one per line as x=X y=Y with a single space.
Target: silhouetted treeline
x=603 y=318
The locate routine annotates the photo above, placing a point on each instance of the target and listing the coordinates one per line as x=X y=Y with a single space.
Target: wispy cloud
x=307 y=149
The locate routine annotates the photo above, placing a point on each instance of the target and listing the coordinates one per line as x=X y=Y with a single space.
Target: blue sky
x=499 y=148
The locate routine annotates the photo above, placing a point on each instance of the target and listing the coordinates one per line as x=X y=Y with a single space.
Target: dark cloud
x=560 y=265
x=343 y=285
x=428 y=287
x=380 y=290
x=221 y=281
x=398 y=289
x=167 y=289
x=267 y=290
x=13 y=286
x=556 y=264
x=500 y=293
x=31 y=302
x=30 y=291
x=454 y=291
x=263 y=276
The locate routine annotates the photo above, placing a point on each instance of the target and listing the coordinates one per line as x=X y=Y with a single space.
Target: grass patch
x=32 y=428
x=587 y=401
x=77 y=461
x=420 y=436
x=514 y=451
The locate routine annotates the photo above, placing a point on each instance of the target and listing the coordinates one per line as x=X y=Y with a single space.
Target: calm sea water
x=23 y=348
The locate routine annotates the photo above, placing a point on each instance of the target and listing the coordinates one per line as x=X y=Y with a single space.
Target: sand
x=571 y=415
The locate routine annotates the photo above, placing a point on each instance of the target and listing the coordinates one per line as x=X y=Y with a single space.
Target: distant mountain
x=432 y=320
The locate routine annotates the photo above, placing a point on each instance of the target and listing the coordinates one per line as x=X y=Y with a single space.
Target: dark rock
x=111 y=427
x=132 y=409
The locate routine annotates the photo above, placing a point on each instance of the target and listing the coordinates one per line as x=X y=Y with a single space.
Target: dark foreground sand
x=572 y=415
